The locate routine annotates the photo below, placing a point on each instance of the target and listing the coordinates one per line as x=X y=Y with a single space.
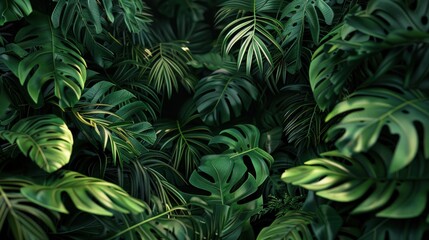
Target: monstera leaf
x=46 y=139
x=88 y=194
x=298 y=13
x=220 y=97
x=25 y=220
x=368 y=111
x=226 y=185
x=12 y=10
x=339 y=178
x=55 y=60
x=384 y=26
x=243 y=143
x=293 y=225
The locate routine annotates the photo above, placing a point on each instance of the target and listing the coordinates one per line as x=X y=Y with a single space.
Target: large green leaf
x=242 y=143
x=293 y=225
x=221 y=96
x=368 y=111
x=299 y=12
x=365 y=178
x=228 y=187
x=12 y=10
x=226 y=173
x=46 y=139
x=88 y=194
x=55 y=60
x=24 y=220
x=383 y=33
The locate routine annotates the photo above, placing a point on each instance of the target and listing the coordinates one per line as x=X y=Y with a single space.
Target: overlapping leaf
x=55 y=61
x=242 y=142
x=12 y=10
x=110 y=114
x=342 y=179
x=299 y=12
x=293 y=225
x=187 y=142
x=386 y=25
x=84 y=20
x=46 y=139
x=252 y=33
x=168 y=68
x=221 y=97
x=25 y=221
x=368 y=111
x=88 y=194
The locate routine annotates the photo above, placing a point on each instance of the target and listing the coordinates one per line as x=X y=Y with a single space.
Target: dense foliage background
x=204 y=119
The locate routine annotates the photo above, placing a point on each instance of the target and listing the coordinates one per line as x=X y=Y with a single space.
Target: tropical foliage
x=225 y=119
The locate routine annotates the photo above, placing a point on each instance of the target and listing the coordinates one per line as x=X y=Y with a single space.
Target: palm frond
x=84 y=20
x=221 y=96
x=24 y=219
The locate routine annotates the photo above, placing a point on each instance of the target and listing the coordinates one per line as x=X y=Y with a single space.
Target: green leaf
x=220 y=97
x=293 y=225
x=84 y=20
x=113 y=117
x=379 y=34
x=134 y=14
x=46 y=139
x=243 y=143
x=188 y=143
x=382 y=228
x=327 y=222
x=298 y=13
x=365 y=178
x=368 y=111
x=226 y=173
x=12 y=10
x=254 y=36
x=88 y=194
x=168 y=67
x=25 y=221
x=54 y=60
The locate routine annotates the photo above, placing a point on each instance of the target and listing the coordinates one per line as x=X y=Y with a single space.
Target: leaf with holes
x=54 y=59
x=221 y=96
x=243 y=145
x=299 y=12
x=46 y=139
x=368 y=111
x=12 y=10
x=365 y=179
